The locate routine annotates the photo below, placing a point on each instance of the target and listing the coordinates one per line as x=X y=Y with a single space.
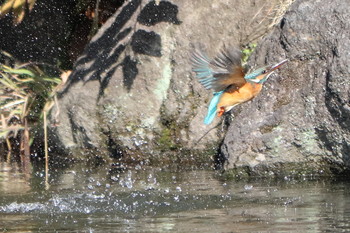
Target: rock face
x=302 y=116
x=132 y=93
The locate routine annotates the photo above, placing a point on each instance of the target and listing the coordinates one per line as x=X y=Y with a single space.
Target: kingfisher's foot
x=221 y=111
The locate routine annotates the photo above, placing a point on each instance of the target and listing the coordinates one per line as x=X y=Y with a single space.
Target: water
x=156 y=200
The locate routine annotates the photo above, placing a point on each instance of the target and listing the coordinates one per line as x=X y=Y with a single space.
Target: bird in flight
x=225 y=76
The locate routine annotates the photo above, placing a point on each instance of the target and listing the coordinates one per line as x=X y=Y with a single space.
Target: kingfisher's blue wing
x=221 y=72
x=212 y=108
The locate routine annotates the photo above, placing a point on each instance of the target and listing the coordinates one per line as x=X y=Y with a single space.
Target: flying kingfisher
x=224 y=74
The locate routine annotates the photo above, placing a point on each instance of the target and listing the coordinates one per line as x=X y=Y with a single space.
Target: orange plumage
x=231 y=98
x=224 y=74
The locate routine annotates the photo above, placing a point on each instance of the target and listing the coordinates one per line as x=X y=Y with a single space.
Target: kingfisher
x=226 y=77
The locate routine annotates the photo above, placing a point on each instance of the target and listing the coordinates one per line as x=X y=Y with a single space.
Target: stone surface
x=302 y=116
x=132 y=93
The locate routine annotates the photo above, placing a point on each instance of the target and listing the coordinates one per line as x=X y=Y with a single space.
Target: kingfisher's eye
x=264 y=72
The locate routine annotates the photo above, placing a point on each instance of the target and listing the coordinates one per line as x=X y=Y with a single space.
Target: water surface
x=82 y=199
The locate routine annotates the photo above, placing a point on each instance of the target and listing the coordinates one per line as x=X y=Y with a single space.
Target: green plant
x=247 y=51
x=27 y=93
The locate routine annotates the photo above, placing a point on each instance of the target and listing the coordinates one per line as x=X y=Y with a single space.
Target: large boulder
x=301 y=120
x=132 y=94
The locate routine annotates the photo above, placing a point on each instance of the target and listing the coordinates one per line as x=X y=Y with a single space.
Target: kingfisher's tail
x=212 y=108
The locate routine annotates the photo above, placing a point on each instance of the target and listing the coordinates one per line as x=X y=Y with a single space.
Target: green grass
x=27 y=93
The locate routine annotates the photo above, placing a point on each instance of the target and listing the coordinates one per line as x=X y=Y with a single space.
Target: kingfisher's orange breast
x=234 y=97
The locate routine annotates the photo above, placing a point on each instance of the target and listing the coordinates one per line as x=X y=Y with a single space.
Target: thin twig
x=9 y=150
x=46 y=154
x=196 y=143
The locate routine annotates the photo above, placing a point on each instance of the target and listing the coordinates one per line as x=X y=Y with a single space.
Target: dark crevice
x=283 y=22
x=114 y=149
x=335 y=51
x=346 y=151
x=322 y=136
x=283 y=43
x=78 y=131
x=219 y=158
x=334 y=104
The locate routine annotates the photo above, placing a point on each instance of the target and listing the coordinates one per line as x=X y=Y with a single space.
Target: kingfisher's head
x=262 y=74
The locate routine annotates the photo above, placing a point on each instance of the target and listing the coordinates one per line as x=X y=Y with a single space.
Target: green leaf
x=52 y=80
x=22 y=71
x=12 y=103
x=4 y=133
x=6 y=81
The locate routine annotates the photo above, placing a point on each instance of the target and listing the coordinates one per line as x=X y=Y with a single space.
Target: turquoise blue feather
x=254 y=74
x=201 y=66
x=215 y=73
x=212 y=108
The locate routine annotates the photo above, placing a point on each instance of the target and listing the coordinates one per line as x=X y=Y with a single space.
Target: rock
x=301 y=120
x=132 y=93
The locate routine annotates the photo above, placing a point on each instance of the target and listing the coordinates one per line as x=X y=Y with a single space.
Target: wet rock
x=132 y=94
x=302 y=115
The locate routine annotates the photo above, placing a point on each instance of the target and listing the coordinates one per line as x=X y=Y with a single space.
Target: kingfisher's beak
x=276 y=66
x=269 y=70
